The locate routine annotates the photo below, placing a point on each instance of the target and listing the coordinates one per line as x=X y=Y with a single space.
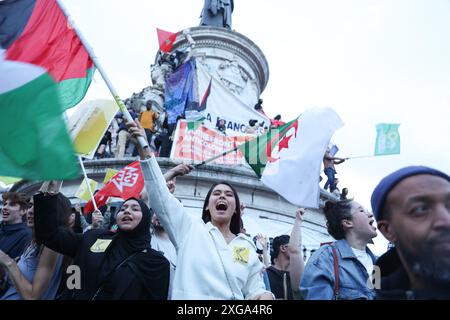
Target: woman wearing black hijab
x=111 y=265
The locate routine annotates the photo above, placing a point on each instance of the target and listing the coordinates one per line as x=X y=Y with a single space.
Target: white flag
x=293 y=168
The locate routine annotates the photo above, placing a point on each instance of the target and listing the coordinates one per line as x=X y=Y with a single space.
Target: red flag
x=126 y=183
x=166 y=39
x=205 y=97
x=37 y=32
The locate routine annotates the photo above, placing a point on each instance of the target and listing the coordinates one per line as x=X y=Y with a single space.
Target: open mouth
x=221 y=206
x=127 y=219
x=371 y=224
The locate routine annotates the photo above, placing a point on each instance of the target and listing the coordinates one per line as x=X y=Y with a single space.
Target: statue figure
x=217 y=13
x=159 y=72
x=232 y=76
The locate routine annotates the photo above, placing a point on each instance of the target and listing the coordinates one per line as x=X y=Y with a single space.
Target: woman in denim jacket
x=341 y=270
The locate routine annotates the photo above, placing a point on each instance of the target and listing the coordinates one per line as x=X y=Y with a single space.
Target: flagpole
x=99 y=67
x=87 y=182
x=359 y=157
x=215 y=157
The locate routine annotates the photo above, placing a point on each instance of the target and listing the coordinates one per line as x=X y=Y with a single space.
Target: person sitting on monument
x=253 y=126
x=220 y=126
x=276 y=122
x=258 y=107
x=147 y=119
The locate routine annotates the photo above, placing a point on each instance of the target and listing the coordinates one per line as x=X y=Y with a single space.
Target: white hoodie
x=201 y=273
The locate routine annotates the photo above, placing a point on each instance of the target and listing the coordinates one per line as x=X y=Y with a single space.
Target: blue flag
x=181 y=91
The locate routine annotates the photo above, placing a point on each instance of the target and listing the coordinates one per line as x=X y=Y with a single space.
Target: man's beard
x=426 y=263
x=158 y=228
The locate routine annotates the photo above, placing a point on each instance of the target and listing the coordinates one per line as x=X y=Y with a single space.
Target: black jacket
x=277 y=283
x=127 y=281
x=14 y=238
x=395 y=284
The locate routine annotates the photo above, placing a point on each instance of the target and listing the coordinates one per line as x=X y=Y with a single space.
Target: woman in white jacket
x=215 y=261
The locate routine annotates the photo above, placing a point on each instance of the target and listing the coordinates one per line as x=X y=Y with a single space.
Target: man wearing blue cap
x=412 y=209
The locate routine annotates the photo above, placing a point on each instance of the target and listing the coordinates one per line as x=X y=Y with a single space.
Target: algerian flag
x=388 y=139
x=288 y=159
x=34 y=143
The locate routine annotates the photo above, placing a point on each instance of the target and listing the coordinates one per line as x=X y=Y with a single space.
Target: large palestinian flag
x=43 y=69
x=38 y=33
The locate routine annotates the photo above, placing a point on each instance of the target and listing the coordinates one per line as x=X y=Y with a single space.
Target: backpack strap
x=102 y=285
x=336 y=272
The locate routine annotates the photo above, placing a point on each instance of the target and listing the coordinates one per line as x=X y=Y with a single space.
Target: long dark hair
x=77 y=228
x=63 y=212
x=235 y=224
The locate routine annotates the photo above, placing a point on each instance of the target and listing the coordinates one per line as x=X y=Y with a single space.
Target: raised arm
x=36 y=289
x=338 y=160
x=263 y=241
x=58 y=238
x=168 y=209
x=297 y=264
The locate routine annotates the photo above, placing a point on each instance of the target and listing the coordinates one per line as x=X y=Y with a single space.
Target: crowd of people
x=151 y=248
x=117 y=143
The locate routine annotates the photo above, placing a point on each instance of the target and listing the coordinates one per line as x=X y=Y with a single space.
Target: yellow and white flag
x=89 y=123
x=83 y=192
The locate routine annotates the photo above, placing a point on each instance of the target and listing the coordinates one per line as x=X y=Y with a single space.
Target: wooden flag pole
x=99 y=67
x=87 y=182
x=215 y=157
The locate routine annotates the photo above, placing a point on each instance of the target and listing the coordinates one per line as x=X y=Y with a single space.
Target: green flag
x=34 y=142
x=388 y=139
x=194 y=125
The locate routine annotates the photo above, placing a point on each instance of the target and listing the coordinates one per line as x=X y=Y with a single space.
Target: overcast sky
x=372 y=61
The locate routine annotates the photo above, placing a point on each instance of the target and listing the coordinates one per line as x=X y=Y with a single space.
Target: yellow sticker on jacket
x=100 y=245
x=240 y=254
